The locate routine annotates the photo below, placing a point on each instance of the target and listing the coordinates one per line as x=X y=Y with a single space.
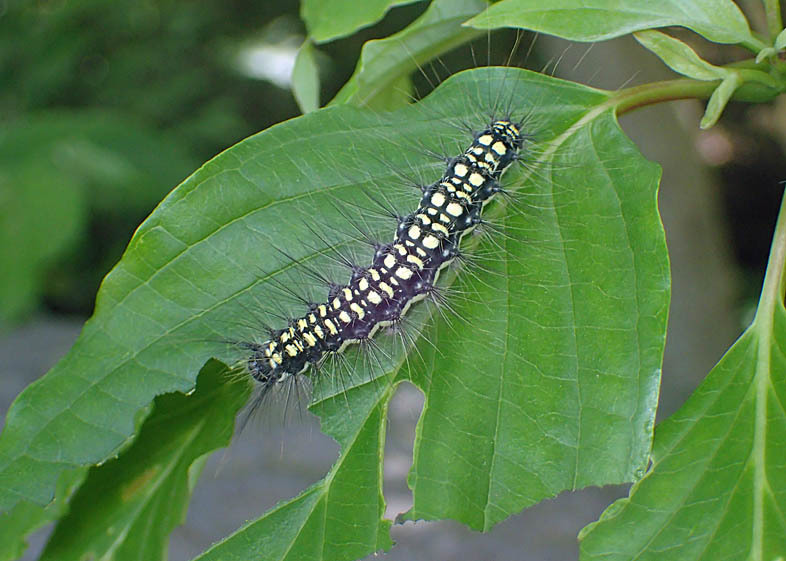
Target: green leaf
x=339 y=517
x=719 y=98
x=679 y=56
x=765 y=53
x=25 y=518
x=385 y=62
x=717 y=486
x=305 y=79
x=330 y=19
x=127 y=507
x=780 y=40
x=720 y=21
x=546 y=379
x=684 y=60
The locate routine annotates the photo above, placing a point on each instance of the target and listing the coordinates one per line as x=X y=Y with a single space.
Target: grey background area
x=272 y=463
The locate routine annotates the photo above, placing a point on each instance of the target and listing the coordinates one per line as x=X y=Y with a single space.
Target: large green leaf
x=595 y=20
x=547 y=379
x=717 y=486
x=331 y=19
x=385 y=62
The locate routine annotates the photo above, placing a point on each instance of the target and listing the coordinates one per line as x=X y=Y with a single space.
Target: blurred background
x=105 y=107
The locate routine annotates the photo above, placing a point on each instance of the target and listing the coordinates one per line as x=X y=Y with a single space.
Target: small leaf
x=595 y=20
x=126 y=508
x=780 y=40
x=717 y=485
x=765 y=53
x=679 y=56
x=385 y=62
x=330 y=19
x=305 y=78
x=719 y=98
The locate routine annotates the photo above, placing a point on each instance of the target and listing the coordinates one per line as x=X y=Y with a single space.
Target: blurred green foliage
x=105 y=107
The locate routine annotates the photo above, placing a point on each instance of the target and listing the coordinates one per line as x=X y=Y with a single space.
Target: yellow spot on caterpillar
x=358 y=310
x=331 y=327
x=336 y=303
x=302 y=324
x=298 y=344
x=401 y=249
x=444 y=218
x=276 y=359
x=363 y=284
x=344 y=316
x=454 y=209
x=291 y=350
x=312 y=318
x=416 y=260
x=463 y=195
x=272 y=363
x=374 y=275
x=431 y=211
x=460 y=170
x=374 y=298
x=387 y=289
x=414 y=232
x=424 y=219
x=485 y=140
x=437 y=199
x=476 y=180
x=430 y=242
x=389 y=261
x=322 y=309
x=310 y=339
x=439 y=228
x=403 y=273
x=478 y=150
x=284 y=337
x=347 y=294
x=319 y=331
x=420 y=252
x=499 y=148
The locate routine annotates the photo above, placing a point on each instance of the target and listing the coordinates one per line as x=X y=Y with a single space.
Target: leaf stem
x=754 y=89
x=657 y=92
x=774 y=22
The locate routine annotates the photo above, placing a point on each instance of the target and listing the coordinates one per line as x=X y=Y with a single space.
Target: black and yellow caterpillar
x=403 y=271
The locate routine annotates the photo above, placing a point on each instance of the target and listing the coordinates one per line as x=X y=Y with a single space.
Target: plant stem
x=656 y=92
x=753 y=90
x=774 y=23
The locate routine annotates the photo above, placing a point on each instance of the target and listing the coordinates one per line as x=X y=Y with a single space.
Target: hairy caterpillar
x=403 y=271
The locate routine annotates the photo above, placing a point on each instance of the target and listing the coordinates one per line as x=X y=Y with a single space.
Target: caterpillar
x=402 y=271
